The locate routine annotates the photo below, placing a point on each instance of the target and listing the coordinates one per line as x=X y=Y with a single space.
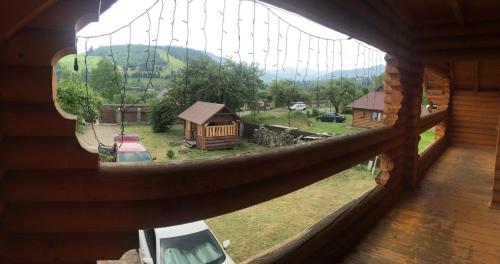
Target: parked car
x=129 y=149
x=331 y=117
x=192 y=243
x=298 y=106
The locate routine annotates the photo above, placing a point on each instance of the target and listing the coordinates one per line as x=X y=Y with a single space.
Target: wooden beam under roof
x=457 y=11
x=19 y=14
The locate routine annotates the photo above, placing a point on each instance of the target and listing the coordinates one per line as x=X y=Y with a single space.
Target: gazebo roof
x=200 y=112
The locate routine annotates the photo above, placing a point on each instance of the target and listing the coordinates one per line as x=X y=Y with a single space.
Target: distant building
x=367 y=111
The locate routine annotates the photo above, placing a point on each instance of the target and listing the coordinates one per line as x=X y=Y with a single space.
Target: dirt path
x=105 y=133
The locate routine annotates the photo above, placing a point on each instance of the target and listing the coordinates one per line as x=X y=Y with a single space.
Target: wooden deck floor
x=446 y=221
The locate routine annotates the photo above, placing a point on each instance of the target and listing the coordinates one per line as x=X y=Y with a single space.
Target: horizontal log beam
x=451 y=55
x=125 y=182
x=70 y=247
x=467 y=30
x=432 y=120
x=101 y=216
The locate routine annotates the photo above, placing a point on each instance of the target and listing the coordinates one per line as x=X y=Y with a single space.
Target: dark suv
x=331 y=117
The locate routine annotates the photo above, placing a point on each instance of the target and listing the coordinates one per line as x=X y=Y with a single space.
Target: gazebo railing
x=220 y=131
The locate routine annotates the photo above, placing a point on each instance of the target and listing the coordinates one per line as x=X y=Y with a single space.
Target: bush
x=170 y=154
x=308 y=113
x=72 y=98
x=315 y=112
x=163 y=115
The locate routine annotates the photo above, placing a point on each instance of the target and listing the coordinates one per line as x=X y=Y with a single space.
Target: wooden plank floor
x=446 y=221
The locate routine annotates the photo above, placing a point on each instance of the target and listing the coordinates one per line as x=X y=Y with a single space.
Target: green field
x=300 y=120
x=426 y=139
x=159 y=143
x=262 y=226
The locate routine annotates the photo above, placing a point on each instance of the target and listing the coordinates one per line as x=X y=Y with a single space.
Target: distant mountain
x=166 y=65
x=312 y=75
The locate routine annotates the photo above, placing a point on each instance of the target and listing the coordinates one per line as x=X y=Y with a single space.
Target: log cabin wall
x=38 y=139
x=363 y=118
x=475 y=102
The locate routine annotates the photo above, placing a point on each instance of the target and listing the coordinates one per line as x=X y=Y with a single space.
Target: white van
x=298 y=106
x=192 y=243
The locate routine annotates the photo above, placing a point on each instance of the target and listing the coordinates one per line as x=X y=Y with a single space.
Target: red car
x=128 y=149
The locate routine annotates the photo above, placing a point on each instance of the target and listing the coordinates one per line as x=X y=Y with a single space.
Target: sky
x=277 y=42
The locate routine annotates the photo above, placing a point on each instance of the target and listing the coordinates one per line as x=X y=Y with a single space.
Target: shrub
x=163 y=115
x=308 y=113
x=315 y=112
x=72 y=98
x=170 y=154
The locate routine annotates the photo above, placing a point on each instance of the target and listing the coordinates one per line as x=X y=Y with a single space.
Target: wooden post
x=495 y=201
x=403 y=89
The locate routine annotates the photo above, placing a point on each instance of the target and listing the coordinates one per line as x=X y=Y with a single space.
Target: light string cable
x=286 y=49
x=150 y=84
x=223 y=31
x=307 y=63
x=332 y=75
x=204 y=27
x=239 y=34
x=124 y=86
x=278 y=52
x=297 y=74
x=87 y=101
x=266 y=51
x=186 y=79
x=317 y=74
x=254 y=66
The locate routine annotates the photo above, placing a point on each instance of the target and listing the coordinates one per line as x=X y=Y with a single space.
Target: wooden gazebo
x=59 y=205
x=210 y=126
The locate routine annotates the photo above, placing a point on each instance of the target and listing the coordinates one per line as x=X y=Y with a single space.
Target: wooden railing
x=179 y=192
x=432 y=152
x=432 y=120
x=220 y=131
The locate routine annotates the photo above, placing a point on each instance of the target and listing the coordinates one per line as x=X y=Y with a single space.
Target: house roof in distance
x=200 y=112
x=373 y=100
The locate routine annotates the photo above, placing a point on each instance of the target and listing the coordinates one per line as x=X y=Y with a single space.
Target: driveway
x=104 y=132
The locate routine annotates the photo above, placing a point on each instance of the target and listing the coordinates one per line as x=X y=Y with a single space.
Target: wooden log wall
x=38 y=139
x=474 y=117
x=363 y=118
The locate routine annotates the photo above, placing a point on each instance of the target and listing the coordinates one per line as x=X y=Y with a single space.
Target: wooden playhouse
x=210 y=126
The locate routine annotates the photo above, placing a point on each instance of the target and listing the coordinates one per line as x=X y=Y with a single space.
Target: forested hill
x=138 y=56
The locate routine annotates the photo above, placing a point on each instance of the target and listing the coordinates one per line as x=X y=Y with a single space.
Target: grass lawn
x=159 y=143
x=262 y=226
x=299 y=120
x=426 y=139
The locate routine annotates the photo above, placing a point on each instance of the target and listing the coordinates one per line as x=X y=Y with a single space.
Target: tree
x=72 y=98
x=163 y=115
x=340 y=93
x=104 y=80
x=230 y=83
x=284 y=93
